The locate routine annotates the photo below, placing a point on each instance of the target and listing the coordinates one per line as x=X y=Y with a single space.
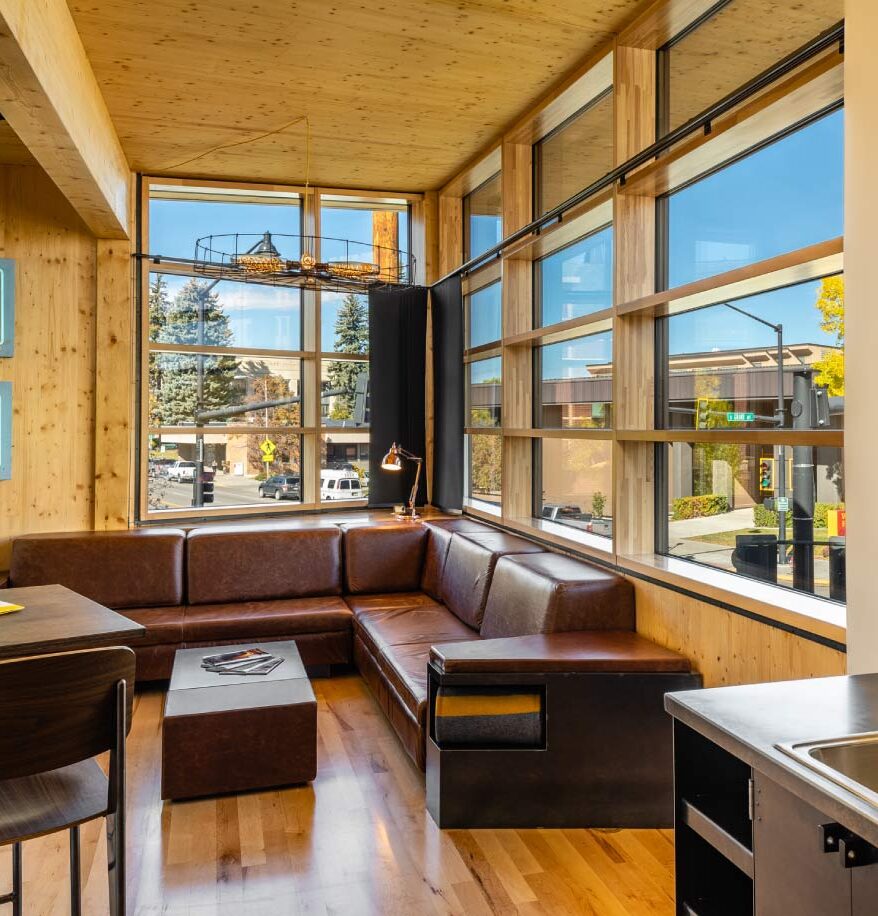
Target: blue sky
x=259 y=315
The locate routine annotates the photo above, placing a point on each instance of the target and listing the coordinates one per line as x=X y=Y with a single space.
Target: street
x=228 y=490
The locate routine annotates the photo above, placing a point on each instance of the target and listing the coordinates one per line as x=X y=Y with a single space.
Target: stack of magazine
x=242 y=661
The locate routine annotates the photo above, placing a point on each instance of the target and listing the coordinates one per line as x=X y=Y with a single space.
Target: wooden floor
x=358 y=841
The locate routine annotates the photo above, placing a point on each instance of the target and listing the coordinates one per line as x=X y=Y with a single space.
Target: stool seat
x=32 y=806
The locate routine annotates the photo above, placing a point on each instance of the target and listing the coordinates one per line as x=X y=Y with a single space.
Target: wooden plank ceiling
x=399 y=95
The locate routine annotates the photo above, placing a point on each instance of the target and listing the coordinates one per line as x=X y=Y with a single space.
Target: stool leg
x=16 y=879
x=75 y=874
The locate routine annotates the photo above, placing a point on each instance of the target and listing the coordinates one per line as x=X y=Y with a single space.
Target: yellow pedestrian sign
x=269 y=451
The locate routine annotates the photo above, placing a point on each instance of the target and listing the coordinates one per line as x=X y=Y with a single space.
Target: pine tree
x=351 y=336
x=159 y=305
x=177 y=399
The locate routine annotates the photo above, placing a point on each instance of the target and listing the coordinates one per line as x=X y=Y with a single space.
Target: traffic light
x=766 y=474
x=207 y=486
x=702 y=413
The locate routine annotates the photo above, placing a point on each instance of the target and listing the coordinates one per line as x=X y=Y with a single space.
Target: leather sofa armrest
x=568 y=652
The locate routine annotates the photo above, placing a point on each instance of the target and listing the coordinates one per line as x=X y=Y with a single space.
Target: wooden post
x=114 y=386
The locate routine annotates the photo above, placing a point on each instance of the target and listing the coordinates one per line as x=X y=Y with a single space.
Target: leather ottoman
x=230 y=733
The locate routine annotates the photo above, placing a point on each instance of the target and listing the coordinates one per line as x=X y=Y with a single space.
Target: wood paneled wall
x=53 y=369
x=729 y=648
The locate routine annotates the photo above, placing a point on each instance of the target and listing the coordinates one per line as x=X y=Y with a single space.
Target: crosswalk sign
x=269 y=451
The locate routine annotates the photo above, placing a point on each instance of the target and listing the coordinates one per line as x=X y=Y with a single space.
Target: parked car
x=182 y=471
x=555 y=513
x=336 y=485
x=281 y=486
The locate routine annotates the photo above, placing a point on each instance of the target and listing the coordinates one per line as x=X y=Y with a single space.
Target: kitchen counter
x=749 y=721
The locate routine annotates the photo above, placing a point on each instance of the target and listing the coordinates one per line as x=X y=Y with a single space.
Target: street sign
x=782 y=503
x=736 y=417
x=269 y=451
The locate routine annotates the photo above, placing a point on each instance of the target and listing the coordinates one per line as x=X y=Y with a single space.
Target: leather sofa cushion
x=439 y=533
x=164 y=625
x=119 y=569
x=405 y=668
x=428 y=623
x=253 y=620
x=549 y=593
x=366 y=604
x=233 y=563
x=384 y=558
x=469 y=567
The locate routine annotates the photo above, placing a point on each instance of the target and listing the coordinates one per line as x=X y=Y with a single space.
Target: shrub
x=767 y=518
x=598 y=503
x=699 y=506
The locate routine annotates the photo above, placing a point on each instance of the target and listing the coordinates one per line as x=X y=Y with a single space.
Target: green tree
x=486 y=464
x=265 y=385
x=351 y=336
x=159 y=305
x=177 y=398
x=830 y=304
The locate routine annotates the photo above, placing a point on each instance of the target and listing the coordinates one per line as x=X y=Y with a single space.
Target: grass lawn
x=727 y=538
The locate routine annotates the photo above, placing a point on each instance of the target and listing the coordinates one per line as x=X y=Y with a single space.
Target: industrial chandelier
x=258 y=258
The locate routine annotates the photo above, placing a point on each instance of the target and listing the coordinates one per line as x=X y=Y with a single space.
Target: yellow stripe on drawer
x=487 y=705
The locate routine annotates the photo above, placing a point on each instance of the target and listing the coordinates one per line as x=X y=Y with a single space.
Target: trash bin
x=755 y=555
x=837 y=569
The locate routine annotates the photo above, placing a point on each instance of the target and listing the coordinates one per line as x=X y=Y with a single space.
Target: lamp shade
x=392 y=461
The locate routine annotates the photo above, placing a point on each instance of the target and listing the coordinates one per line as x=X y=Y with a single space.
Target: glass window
x=484 y=315
x=191 y=389
x=484 y=457
x=575 y=154
x=576 y=280
x=482 y=218
x=235 y=463
x=577 y=484
x=366 y=230
x=344 y=322
x=731 y=507
x=344 y=463
x=782 y=197
x=698 y=73
x=230 y=314
x=179 y=216
x=344 y=398
x=576 y=383
x=721 y=370
x=484 y=392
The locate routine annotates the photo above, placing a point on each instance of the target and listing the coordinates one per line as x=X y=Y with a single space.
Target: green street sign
x=747 y=417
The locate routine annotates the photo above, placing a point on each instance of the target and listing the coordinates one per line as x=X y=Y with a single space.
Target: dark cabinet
x=793 y=873
x=746 y=845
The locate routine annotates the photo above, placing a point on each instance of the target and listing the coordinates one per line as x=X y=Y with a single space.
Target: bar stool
x=57 y=713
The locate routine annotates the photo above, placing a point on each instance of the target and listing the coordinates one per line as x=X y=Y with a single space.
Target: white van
x=341 y=485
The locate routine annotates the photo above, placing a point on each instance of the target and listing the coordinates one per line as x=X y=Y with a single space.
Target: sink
x=850 y=762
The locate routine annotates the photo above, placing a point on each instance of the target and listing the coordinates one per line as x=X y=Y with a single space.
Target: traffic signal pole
x=804 y=489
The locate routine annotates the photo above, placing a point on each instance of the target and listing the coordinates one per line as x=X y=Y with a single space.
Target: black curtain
x=397 y=372
x=448 y=394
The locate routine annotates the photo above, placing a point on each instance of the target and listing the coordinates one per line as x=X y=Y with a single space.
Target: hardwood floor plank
x=357 y=842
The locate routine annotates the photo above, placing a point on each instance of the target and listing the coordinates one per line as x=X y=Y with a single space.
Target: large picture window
x=782 y=197
x=256 y=392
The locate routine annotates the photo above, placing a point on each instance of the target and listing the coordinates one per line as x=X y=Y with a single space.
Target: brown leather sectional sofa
x=379 y=595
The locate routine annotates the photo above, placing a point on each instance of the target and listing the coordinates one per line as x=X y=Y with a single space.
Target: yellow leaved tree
x=830 y=304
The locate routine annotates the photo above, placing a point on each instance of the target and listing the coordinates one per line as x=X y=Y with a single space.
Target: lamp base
x=405 y=512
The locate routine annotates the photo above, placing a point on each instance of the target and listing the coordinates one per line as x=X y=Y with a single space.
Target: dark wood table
x=231 y=733
x=56 y=619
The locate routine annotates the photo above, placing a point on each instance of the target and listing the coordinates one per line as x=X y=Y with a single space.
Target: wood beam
x=114 y=386
x=51 y=99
